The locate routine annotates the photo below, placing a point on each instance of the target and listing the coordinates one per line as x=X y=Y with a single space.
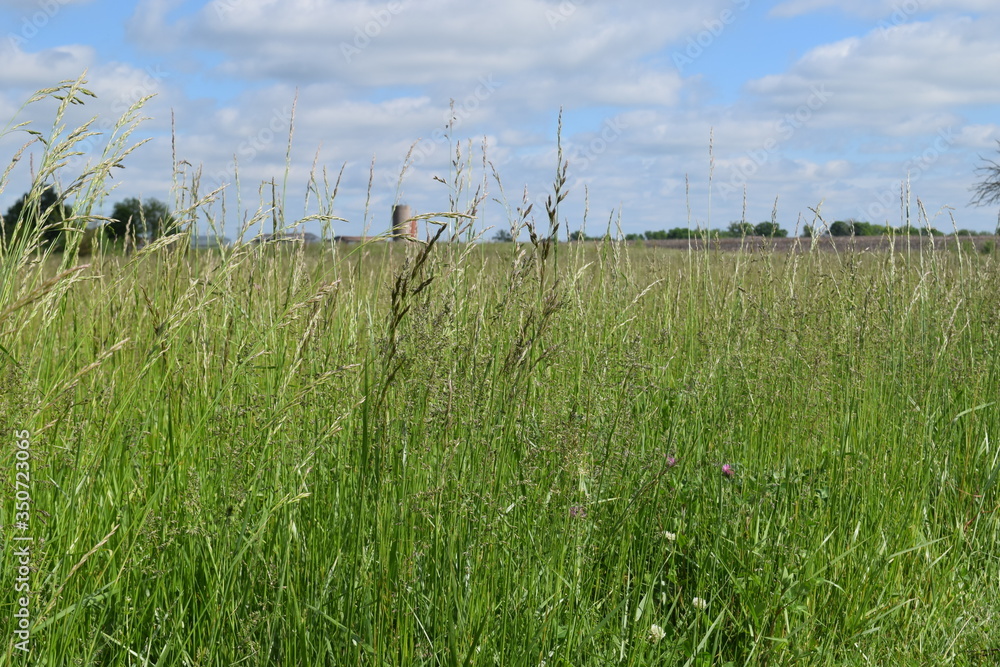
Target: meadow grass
x=445 y=453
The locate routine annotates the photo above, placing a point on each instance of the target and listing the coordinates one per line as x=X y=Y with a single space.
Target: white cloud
x=978 y=137
x=44 y=68
x=886 y=77
x=898 y=10
x=432 y=44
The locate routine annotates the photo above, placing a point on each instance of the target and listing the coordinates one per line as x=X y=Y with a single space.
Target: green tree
x=151 y=219
x=740 y=229
x=503 y=236
x=769 y=230
x=841 y=228
x=860 y=228
x=45 y=212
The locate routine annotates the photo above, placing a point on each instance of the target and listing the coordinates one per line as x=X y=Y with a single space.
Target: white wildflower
x=656 y=633
x=699 y=603
x=670 y=537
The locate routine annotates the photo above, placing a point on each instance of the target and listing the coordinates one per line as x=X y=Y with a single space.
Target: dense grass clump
x=445 y=453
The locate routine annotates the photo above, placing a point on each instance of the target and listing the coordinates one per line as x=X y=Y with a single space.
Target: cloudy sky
x=671 y=110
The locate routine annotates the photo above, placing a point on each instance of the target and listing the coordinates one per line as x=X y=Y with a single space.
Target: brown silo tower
x=403 y=226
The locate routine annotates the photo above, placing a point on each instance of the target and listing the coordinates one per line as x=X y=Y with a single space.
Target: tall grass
x=449 y=453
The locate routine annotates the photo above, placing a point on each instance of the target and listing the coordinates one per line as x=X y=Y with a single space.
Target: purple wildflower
x=727 y=470
x=671 y=461
x=577 y=511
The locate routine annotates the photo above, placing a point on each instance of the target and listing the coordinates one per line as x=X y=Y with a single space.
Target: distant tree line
x=772 y=230
x=858 y=228
x=47 y=214
x=766 y=229
x=735 y=230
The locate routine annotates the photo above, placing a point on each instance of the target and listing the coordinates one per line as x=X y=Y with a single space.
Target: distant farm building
x=209 y=241
x=404 y=225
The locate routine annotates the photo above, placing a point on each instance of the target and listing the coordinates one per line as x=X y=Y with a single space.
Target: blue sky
x=819 y=104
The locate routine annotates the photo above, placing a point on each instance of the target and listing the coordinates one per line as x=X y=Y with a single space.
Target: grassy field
x=446 y=453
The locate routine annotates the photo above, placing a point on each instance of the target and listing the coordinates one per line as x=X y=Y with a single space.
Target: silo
x=402 y=226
